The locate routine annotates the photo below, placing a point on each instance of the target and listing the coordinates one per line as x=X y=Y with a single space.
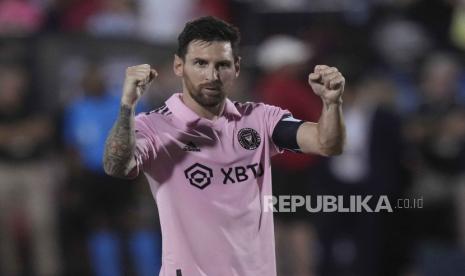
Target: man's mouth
x=212 y=89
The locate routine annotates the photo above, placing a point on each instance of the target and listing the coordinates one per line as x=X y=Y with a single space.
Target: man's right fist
x=138 y=79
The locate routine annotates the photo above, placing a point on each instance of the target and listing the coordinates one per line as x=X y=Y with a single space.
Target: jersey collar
x=180 y=110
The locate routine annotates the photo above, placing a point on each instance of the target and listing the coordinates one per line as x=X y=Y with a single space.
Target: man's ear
x=177 y=66
x=237 y=66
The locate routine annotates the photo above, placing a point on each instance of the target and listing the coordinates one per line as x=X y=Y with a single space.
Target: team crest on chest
x=249 y=138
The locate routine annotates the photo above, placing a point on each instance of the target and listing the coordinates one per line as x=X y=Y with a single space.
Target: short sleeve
x=146 y=142
x=273 y=115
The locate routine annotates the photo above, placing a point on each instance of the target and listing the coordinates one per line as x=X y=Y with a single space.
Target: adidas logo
x=190 y=146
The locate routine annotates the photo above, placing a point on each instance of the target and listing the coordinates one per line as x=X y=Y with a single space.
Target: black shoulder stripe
x=160 y=109
x=156 y=110
x=166 y=109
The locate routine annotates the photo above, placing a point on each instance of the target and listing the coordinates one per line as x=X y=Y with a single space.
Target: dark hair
x=208 y=29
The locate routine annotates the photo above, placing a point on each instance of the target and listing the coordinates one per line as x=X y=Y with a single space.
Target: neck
x=210 y=113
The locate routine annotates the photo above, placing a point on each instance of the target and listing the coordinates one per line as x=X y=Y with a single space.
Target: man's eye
x=224 y=65
x=200 y=62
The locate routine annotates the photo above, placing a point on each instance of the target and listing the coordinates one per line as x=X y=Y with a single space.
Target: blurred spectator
x=457 y=28
x=354 y=243
x=401 y=44
x=285 y=60
x=434 y=128
x=103 y=201
x=71 y=15
x=28 y=180
x=19 y=17
x=84 y=134
x=161 y=21
x=436 y=132
x=115 y=18
x=422 y=12
x=217 y=8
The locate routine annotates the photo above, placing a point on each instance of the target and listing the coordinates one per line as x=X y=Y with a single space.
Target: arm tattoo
x=120 y=144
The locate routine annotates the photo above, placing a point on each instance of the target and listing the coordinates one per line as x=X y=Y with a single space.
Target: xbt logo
x=240 y=173
x=200 y=175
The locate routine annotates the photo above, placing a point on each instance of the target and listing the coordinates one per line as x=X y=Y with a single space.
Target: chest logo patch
x=249 y=138
x=199 y=175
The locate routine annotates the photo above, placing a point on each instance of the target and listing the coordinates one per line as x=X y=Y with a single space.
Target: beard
x=206 y=95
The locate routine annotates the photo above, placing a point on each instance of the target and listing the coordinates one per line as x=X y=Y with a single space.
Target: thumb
x=153 y=74
x=148 y=81
x=314 y=77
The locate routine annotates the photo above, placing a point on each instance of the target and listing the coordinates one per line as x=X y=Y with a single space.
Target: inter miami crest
x=249 y=138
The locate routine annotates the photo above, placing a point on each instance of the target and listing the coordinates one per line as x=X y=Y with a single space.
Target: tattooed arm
x=118 y=158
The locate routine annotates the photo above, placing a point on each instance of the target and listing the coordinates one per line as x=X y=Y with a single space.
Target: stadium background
x=62 y=64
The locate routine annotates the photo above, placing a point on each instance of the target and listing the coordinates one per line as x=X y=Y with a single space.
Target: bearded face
x=208 y=71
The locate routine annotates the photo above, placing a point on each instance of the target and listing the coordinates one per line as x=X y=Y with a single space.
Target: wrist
x=128 y=103
x=332 y=102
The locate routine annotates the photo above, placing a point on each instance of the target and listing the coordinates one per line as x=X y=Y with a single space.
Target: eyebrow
x=198 y=59
x=223 y=61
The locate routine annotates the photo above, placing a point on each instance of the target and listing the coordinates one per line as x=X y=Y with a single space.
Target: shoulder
x=247 y=107
x=155 y=116
x=255 y=108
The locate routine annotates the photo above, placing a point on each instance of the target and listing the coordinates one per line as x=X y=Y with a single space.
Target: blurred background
x=62 y=64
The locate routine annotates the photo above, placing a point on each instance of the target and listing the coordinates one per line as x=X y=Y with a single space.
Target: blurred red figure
x=284 y=60
x=19 y=17
x=284 y=83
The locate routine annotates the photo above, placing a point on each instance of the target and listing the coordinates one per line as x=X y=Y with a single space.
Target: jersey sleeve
x=146 y=142
x=273 y=115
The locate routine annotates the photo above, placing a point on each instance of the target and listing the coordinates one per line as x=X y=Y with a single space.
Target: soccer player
x=207 y=159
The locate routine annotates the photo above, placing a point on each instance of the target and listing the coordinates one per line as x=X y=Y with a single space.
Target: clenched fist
x=138 y=79
x=328 y=83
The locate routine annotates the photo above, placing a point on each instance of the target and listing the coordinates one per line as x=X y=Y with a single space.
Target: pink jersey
x=209 y=179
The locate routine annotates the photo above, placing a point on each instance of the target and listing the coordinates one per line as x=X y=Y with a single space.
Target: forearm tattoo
x=120 y=144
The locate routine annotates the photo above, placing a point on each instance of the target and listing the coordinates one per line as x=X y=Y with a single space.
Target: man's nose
x=212 y=74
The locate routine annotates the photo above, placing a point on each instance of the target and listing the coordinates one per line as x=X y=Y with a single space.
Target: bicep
x=307 y=138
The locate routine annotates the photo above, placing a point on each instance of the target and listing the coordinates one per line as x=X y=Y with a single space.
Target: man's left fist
x=328 y=83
